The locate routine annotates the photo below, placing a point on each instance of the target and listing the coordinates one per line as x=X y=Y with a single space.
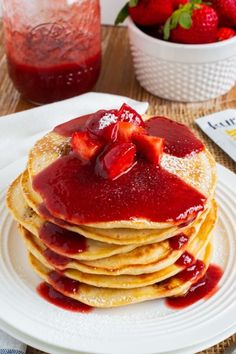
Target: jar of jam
x=53 y=47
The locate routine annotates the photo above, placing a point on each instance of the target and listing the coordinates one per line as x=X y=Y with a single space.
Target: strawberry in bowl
x=183 y=50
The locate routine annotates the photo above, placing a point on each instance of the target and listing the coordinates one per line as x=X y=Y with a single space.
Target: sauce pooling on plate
x=202 y=289
x=51 y=295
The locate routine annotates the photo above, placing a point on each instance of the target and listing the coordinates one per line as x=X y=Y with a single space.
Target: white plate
x=143 y=328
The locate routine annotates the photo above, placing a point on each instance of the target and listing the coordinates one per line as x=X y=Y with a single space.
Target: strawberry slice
x=84 y=146
x=177 y=3
x=110 y=133
x=128 y=114
x=121 y=131
x=116 y=160
x=151 y=147
x=126 y=131
x=101 y=120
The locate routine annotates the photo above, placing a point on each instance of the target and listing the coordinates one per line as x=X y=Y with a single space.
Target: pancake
x=105 y=297
x=196 y=170
x=118 y=236
x=23 y=214
x=116 y=220
x=130 y=263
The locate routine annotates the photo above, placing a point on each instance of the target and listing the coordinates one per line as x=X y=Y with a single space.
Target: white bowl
x=181 y=72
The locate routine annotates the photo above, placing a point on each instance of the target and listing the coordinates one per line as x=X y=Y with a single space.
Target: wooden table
x=118 y=77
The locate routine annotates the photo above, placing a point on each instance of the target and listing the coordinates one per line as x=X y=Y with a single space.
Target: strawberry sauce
x=179 y=241
x=55 y=259
x=51 y=295
x=55 y=82
x=185 y=259
x=179 y=140
x=71 y=190
x=202 y=289
x=63 y=284
x=62 y=241
x=80 y=123
x=193 y=271
x=55 y=52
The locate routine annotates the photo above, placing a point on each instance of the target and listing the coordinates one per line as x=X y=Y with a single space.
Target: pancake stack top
x=116 y=210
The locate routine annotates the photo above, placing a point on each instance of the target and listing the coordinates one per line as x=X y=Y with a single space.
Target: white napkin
x=18 y=133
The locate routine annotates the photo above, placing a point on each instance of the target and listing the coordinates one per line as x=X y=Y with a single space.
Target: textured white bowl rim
x=193 y=53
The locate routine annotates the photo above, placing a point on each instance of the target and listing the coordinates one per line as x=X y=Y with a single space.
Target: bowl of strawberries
x=183 y=50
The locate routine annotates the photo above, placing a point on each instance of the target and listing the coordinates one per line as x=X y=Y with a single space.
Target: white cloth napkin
x=18 y=133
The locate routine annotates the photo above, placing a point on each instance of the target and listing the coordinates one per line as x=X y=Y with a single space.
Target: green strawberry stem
x=122 y=15
x=182 y=16
x=124 y=12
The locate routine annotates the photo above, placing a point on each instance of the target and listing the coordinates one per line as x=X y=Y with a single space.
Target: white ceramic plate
x=143 y=328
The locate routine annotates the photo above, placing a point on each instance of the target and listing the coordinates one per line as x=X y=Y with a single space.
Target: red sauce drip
x=185 y=259
x=49 y=294
x=45 y=213
x=193 y=272
x=55 y=82
x=184 y=224
x=204 y=288
x=62 y=241
x=55 y=259
x=179 y=140
x=78 y=124
x=72 y=191
x=179 y=241
x=63 y=284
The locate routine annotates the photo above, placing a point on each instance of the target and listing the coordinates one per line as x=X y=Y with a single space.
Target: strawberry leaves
x=133 y=3
x=124 y=12
x=122 y=15
x=185 y=20
x=182 y=16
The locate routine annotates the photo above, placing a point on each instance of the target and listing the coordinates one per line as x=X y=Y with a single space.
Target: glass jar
x=53 y=47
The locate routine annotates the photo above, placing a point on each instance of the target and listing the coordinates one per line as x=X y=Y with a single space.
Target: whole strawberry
x=193 y=23
x=224 y=33
x=147 y=12
x=226 y=10
x=177 y=3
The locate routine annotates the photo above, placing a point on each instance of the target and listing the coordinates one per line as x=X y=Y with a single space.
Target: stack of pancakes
x=120 y=262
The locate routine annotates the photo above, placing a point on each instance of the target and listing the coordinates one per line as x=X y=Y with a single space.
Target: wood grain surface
x=118 y=77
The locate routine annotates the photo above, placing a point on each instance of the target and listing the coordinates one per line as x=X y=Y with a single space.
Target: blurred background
x=109 y=9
